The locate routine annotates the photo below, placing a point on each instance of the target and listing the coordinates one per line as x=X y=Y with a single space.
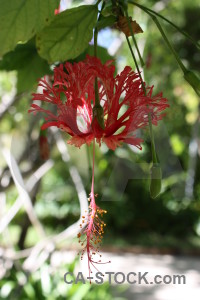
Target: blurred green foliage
x=172 y=220
x=135 y=212
x=49 y=284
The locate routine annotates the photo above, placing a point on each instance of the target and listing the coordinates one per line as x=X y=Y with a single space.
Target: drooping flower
x=125 y=108
x=125 y=105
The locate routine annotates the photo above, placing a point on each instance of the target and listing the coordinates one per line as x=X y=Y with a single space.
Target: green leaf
x=21 y=19
x=29 y=65
x=101 y=52
x=106 y=22
x=34 y=69
x=68 y=35
x=16 y=59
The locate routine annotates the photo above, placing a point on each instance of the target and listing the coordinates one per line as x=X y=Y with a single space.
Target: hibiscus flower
x=124 y=104
x=122 y=107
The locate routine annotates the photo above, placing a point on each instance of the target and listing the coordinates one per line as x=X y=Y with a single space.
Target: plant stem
x=153 y=147
x=97 y=102
x=189 y=76
x=98 y=2
x=96 y=29
x=148 y=11
x=95 y=41
x=89 y=161
x=93 y=162
x=133 y=38
x=136 y=64
x=171 y=48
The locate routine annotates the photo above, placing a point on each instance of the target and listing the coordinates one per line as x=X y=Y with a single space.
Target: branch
x=18 y=180
x=40 y=252
x=32 y=181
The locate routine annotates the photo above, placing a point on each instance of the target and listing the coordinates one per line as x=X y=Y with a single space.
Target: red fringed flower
x=125 y=108
x=125 y=105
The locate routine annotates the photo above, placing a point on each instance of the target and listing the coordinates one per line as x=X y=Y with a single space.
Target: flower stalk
x=189 y=76
x=133 y=38
x=155 y=172
x=171 y=48
x=92 y=228
x=97 y=109
x=154 y=157
x=150 y=11
x=89 y=161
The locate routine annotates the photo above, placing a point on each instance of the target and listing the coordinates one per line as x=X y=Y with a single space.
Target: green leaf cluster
x=20 y=20
x=32 y=37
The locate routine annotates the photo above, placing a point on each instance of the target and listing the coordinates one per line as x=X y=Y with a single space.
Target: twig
x=42 y=250
x=32 y=181
x=23 y=157
x=18 y=180
x=25 y=222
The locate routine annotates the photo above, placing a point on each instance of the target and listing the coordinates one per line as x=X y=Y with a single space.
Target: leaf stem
x=133 y=38
x=136 y=64
x=98 y=2
x=148 y=11
x=189 y=76
x=153 y=147
x=171 y=48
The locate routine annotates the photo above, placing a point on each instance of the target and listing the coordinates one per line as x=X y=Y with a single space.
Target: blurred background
x=40 y=200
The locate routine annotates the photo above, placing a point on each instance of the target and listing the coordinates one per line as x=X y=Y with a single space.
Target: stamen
x=94 y=228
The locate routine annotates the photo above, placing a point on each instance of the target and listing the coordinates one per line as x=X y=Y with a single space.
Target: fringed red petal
x=126 y=107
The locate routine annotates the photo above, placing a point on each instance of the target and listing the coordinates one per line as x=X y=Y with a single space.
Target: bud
x=156 y=180
x=193 y=80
